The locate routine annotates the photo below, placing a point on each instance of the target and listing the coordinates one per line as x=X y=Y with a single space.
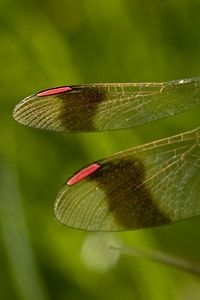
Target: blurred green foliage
x=55 y=42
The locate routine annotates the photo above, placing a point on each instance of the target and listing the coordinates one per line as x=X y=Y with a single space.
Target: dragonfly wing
x=98 y=107
x=150 y=185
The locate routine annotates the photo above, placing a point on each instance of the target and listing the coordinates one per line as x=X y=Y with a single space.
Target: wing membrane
x=149 y=185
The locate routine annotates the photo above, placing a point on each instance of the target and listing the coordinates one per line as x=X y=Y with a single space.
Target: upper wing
x=97 y=107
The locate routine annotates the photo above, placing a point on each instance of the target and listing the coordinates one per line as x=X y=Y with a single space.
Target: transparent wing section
x=98 y=107
x=150 y=185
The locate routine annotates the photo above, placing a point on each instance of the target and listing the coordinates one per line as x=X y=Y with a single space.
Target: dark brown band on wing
x=79 y=108
x=130 y=201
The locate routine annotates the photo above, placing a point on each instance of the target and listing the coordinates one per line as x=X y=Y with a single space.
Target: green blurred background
x=51 y=43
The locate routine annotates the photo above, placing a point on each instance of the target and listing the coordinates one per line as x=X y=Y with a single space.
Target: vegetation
x=52 y=43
